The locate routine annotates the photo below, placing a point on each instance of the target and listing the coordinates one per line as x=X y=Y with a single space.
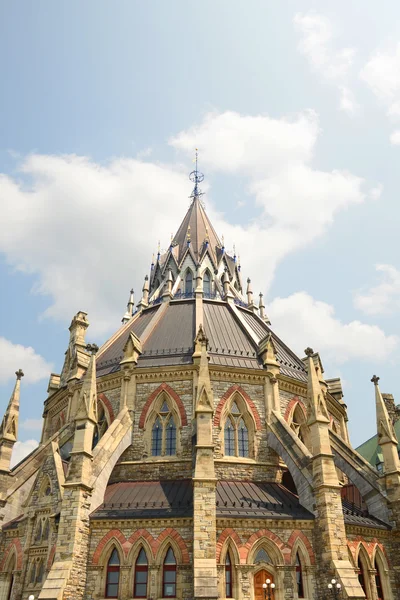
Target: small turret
x=9 y=425
x=249 y=293
x=261 y=308
x=168 y=286
x=225 y=282
x=76 y=358
x=145 y=297
x=128 y=315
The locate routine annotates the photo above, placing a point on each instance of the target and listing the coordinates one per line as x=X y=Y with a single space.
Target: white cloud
x=15 y=356
x=318 y=46
x=77 y=225
x=303 y=321
x=395 y=137
x=383 y=298
x=296 y=202
x=22 y=449
x=382 y=74
x=31 y=424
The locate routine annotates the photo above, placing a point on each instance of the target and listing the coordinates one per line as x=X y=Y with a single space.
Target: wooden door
x=259 y=578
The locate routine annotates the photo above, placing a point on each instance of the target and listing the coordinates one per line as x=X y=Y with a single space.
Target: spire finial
x=19 y=374
x=375 y=379
x=197 y=178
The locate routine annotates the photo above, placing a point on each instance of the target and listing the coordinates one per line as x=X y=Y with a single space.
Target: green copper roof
x=371 y=451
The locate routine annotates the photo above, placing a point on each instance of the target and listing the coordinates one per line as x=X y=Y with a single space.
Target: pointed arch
x=141 y=574
x=45 y=488
x=107 y=406
x=228 y=540
x=114 y=537
x=113 y=570
x=252 y=409
x=292 y=405
x=381 y=566
x=363 y=566
x=296 y=417
x=297 y=540
x=171 y=536
x=207 y=283
x=188 y=282
x=141 y=538
x=275 y=547
x=14 y=547
x=164 y=387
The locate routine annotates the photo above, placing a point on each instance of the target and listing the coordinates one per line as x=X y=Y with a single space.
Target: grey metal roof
x=109 y=361
x=247 y=499
x=228 y=344
x=146 y=499
x=353 y=515
x=291 y=365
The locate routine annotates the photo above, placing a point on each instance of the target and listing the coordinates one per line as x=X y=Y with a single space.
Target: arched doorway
x=259 y=578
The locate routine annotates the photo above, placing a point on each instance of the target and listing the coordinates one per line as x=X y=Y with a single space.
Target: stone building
x=195 y=456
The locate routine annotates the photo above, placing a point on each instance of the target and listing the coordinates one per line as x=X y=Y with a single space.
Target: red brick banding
x=284 y=548
x=144 y=534
x=236 y=388
x=297 y=534
x=290 y=408
x=115 y=534
x=164 y=387
x=107 y=405
x=154 y=544
x=169 y=532
x=15 y=543
x=227 y=533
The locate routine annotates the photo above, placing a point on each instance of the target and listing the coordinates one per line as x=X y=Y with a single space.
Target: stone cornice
x=370 y=531
x=256 y=524
x=133 y=524
x=294 y=387
x=234 y=374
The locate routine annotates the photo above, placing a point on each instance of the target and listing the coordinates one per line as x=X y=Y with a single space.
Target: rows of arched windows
x=42 y=531
x=141 y=575
x=365 y=579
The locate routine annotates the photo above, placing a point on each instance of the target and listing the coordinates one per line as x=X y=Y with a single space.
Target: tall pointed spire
x=386 y=435
x=9 y=425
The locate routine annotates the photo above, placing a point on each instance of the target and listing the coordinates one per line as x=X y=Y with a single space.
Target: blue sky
x=295 y=107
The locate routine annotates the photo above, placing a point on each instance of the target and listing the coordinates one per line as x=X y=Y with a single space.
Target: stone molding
x=164 y=387
x=228 y=394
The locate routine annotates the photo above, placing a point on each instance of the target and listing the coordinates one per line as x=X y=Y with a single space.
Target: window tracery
x=236 y=432
x=262 y=556
x=163 y=433
x=101 y=425
x=299 y=426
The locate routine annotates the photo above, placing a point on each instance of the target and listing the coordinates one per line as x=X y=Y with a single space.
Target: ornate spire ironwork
x=197 y=178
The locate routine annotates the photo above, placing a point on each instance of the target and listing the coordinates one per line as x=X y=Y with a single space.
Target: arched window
x=206 y=284
x=46 y=530
x=378 y=582
x=189 y=283
x=262 y=556
x=169 y=575
x=361 y=576
x=40 y=572
x=10 y=569
x=163 y=435
x=228 y=577
x=38 y=532
x=112 y=576
x=236 y=435
x=141 y=575
x=299 y=426
x=32 y=573
x=299 y=577
x=101 y=425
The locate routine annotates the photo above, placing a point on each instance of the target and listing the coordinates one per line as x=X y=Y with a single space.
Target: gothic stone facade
x=195 y=456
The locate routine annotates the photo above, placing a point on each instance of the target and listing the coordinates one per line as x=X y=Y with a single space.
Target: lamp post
x=31 y=597
x=267 y=587
x=335 y=588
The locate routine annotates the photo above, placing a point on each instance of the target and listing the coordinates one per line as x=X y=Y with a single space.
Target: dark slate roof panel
x=353 y=515
x=245 y=499
x=109 y=361
x=228 y=343
x=175 y=331
x=291 y=365
x=146 y=500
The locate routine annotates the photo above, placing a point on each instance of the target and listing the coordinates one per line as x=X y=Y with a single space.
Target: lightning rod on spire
x=197 y=178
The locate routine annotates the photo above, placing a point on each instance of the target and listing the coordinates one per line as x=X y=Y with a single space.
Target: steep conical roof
x=197 y=227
